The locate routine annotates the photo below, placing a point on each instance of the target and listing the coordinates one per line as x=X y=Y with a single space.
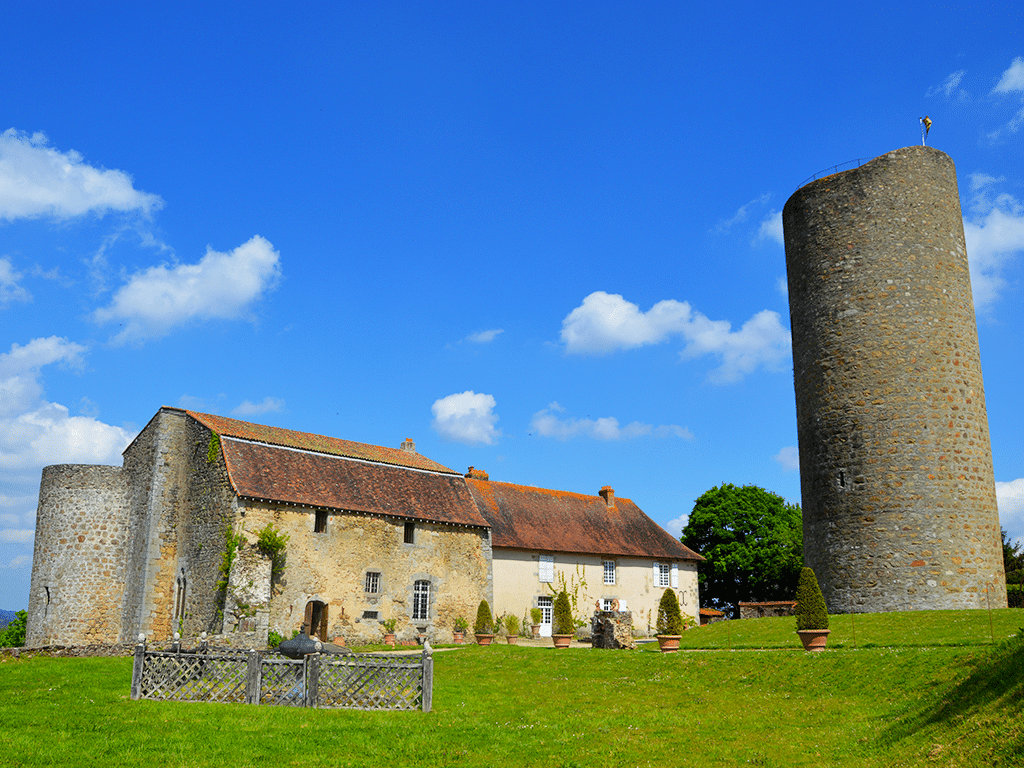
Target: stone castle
x=899 y=503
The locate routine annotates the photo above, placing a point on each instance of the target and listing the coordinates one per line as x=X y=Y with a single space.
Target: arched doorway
x=315 y=619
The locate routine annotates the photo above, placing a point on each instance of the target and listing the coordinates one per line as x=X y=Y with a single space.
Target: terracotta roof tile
x=278 y=474
x=289 y=438
x=523 y=517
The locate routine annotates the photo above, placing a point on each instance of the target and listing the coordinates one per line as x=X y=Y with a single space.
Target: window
x=320 y=524
x=369 y=614
x=609 y=571
x=410 y=533
x=421 y=599
x=179 y=600
x=547 y=568
x=372 y=584
x=544 y=603
x=662 y=574
x=606 y=603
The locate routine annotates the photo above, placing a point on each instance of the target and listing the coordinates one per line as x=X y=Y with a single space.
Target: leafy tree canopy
x=13 y=635
x=752 y=540
x=1013 y=556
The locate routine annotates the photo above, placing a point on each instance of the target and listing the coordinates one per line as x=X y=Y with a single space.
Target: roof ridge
x=548 y=490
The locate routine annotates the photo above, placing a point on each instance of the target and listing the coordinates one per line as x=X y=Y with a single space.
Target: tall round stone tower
x=899 y=500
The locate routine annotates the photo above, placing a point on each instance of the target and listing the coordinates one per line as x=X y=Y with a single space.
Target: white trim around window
x=546 y=568
x=609 y=571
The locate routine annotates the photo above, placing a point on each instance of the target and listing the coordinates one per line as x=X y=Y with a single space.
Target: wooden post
x=253 y=680
x=137 y=667
x=311 y=670
x=428 y=680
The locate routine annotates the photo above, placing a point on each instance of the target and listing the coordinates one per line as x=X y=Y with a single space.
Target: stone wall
x=899 y=502
x=78 y=561
x=331 y=567
x=770 y=608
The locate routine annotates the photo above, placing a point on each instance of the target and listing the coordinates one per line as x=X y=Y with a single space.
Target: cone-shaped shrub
x=811 y=612
x=484 y=624
x=670 y=620
x=563 y=623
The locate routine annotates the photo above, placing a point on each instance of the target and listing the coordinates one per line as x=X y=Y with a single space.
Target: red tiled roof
x=710 y=612
x=289 y=438
x=523 y=517
x=271 y=473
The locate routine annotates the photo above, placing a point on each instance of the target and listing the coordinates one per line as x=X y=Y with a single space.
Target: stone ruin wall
x=78 y=561
x=896 y=471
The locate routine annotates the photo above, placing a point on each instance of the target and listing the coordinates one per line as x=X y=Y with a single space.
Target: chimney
x=477 y=474
x=608 y=494
x=408 y=445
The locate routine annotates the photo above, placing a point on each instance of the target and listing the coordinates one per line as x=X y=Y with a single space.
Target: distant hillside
x=6 y=617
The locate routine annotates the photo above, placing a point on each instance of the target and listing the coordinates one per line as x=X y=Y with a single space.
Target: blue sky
x=543 y=240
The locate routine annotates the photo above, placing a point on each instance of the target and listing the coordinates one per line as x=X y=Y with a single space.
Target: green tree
x=810 y=605
x=670 y=619
x=484 y=624
x=563 y=622
x=752 y=541
x=13 y=635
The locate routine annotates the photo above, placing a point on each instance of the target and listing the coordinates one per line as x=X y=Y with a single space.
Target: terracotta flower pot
x=389 y=638
x=561 y=641
x=813 y=639
x=512 y=639
x=668 y=643
x=535 y=629
x=458 y=637
x=484 y=639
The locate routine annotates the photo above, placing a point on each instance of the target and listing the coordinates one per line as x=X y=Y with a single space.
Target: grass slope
x=944 y=695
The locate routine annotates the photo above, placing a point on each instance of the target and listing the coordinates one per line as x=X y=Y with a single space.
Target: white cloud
x=484 y=337
x=37 y=180
x=994 y=234
x=676 y=525
x=221 y=286
x=982 y=180
x=1012 y=79
x=547 y=424
x=10 y=291
x=782 y=286
x=269 y=405
x=23 y=536
x=771 y=228
x=606 y=322
x=1010 y=498
x=466 y=417
x=949 y=85
x=788 y=458
x=743 y=212
x=21 y=561
x=34 y=432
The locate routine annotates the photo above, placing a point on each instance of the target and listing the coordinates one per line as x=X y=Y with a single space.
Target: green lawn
x=919 y=689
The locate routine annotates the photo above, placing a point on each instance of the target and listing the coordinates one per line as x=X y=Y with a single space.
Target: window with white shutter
x=547 y=568
x=662 y=574
x=675 y=575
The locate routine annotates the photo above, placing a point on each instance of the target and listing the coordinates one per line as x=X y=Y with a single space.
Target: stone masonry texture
x=899 y=502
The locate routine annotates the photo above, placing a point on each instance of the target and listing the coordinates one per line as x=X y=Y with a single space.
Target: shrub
x=484 y=624
x=460 y=624
x=670 y=620
x=273 y=639
x=13 y=635
x=811 y=612
x=272 y=543
x=536 y=615
x=563 y=623
x=512 y=624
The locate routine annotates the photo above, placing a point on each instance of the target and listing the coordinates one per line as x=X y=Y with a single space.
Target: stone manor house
x=168 y=542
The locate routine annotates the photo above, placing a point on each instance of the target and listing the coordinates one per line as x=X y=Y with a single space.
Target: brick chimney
x=408 y=445
x=608 y=494
x=477 y=474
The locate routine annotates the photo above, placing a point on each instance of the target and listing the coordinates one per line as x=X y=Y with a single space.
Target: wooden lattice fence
x=354 y=681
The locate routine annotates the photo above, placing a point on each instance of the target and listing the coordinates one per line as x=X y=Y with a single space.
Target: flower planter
x=389 y=638
x=458 y=637
x=512 y=639
x=561 y=641
x=535 y=630
x=484 y=639
x=813 y=639
x=668 y=643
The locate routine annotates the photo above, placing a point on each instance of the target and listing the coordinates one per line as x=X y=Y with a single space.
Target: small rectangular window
x=369 y=614
x=546 y=568
x=609 y=571
x=662 y=574
x=421 y=600
x=410 y=533
x=372 y=584
x=607 y=603
x=320 y=526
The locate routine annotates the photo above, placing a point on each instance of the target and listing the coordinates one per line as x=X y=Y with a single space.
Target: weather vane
x=926 y=125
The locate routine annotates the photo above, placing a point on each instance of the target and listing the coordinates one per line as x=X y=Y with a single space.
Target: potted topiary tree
x=535 y=616
x=511 y=629
x=811 y=613
x=483 y=627
x=670 y=622
x=459 y=627
x=564 y=627
x=389 y=631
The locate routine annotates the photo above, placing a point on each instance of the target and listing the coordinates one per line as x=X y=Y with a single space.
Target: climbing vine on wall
x=576 y=590
x=272 y=542
x=213 y=449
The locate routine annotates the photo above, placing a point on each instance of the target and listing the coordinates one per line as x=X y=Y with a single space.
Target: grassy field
x=918 y=689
